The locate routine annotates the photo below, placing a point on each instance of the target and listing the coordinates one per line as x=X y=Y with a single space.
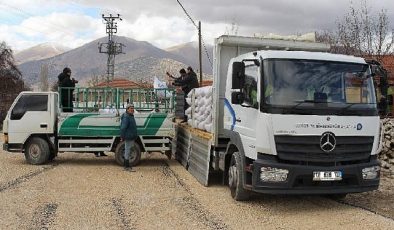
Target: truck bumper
x=300 y=179
x=13 y=147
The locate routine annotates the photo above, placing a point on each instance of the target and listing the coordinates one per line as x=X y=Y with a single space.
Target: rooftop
x=121 y=83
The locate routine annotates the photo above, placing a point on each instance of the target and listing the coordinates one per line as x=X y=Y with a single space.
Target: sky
x=163 y=23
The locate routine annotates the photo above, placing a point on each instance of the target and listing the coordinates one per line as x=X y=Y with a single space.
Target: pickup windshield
x=318 y=87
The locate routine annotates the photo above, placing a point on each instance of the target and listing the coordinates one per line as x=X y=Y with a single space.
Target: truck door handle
x=43 y=125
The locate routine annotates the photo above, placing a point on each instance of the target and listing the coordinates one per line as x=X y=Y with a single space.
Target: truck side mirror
x=238 y=75
x=237 y=98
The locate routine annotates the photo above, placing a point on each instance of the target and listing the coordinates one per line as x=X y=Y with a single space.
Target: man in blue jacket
x=128 y=133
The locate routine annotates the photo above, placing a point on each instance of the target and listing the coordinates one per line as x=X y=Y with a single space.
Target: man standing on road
x=128 y=134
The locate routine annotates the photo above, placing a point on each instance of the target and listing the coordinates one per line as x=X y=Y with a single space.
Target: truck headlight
x=371 y=172
x=269 y=174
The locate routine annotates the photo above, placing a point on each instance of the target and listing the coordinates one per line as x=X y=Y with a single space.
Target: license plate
x=327 y=176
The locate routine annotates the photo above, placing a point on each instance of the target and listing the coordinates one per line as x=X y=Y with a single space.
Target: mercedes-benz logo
x=327 y=142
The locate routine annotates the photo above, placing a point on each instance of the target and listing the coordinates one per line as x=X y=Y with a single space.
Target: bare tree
x=7 y=63
x=44 y=77
x=95 y=80
x=232 y=29
x=11 y=82
x=361 y=33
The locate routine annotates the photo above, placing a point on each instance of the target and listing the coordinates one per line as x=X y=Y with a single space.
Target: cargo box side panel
x=199 y=159
x=183 y=143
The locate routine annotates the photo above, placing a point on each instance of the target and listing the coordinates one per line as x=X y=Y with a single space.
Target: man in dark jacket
x=182 y=73
x=188 y=82
x=66 y=89
x=128 y=134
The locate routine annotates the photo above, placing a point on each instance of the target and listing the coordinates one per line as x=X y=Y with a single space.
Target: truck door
x=29 y=115
x=247 y=112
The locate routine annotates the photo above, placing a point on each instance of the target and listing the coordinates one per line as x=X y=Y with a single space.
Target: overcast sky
x=25 y=23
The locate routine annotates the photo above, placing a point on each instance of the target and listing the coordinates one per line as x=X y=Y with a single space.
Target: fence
x=95 y=99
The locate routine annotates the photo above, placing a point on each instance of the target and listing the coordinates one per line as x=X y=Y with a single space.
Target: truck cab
x=37 y=126
x=301 y=123
x=32 y=115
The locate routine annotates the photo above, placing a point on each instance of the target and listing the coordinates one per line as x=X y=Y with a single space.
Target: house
x=116 y=93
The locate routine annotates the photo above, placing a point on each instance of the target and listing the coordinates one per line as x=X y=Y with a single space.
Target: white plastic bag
x=161 y=88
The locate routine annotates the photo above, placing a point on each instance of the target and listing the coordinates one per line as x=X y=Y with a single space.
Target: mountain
x=140 y=62
x=42 y=51
x=189 y=53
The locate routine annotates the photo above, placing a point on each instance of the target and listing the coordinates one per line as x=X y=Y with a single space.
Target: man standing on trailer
x=187 y=83
x=66 y=88
x=128 y=134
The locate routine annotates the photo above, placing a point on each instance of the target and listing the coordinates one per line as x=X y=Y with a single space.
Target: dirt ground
x=81 y=191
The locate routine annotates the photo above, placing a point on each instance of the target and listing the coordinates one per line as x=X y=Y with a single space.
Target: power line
x=25 y=14
x=197 y=27
x=187 y=14
x=206 y=52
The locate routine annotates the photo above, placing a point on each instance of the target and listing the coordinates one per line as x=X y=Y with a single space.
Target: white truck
x=36 y=125
x=288 y=118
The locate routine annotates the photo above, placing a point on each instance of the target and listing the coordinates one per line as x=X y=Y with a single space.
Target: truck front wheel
x=37 y=151
x=135 y=154
x=236 y=178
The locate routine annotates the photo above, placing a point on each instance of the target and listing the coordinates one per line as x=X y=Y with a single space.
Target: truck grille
x=307 y=148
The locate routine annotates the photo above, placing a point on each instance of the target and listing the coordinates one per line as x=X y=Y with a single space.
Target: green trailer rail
x=95 y=99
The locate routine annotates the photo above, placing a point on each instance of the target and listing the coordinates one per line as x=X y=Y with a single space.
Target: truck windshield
x=318 y=87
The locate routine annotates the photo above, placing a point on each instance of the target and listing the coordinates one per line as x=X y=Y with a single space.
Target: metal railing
x=112 y=99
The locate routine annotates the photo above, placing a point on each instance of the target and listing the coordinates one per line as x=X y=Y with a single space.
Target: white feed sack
x=201 y=117
x=386 y=156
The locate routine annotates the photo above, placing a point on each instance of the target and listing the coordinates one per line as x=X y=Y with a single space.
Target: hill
x=141 y=62
x=42 y=51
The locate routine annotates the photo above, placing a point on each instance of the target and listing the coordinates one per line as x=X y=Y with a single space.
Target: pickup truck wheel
x=37 y=151
x=135 y=154
x=236 y=179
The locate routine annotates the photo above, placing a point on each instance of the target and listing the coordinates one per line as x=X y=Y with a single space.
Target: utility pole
x=200 y=41
x=111 y=48
x=199 y=50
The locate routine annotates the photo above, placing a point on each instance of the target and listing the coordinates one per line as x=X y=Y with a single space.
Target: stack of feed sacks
x=386 y=156
x=199 y=113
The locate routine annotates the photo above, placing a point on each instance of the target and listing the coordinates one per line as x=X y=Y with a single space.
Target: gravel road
x=80 y=191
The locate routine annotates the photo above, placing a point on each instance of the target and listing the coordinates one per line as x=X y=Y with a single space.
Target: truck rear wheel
x=37 y=151
x=236 y=178
x=135 y=154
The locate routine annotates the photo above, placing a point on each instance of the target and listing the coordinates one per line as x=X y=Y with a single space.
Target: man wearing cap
x=128 y=134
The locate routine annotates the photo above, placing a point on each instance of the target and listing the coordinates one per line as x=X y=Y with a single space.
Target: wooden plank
x=198 y=132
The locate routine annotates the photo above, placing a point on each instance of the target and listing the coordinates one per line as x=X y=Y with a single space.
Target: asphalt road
x=80 y=191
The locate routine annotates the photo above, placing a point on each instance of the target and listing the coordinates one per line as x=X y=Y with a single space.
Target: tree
x=11 y=82
x=44 y=77
x=95 y=80
x=360 y=33
x=7 y=65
